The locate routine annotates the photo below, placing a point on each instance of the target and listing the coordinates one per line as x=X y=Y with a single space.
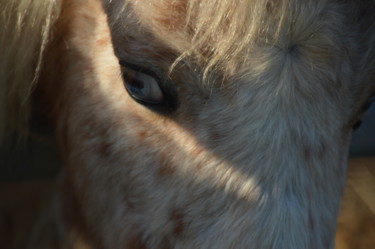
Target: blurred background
x=363 y=141
x=26 y=186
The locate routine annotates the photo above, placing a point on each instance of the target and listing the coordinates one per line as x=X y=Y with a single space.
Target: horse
x=190 y=124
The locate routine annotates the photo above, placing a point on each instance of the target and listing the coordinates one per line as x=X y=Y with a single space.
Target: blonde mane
x=25 y=30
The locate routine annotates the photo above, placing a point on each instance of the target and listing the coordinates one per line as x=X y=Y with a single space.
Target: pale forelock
x=218 y=34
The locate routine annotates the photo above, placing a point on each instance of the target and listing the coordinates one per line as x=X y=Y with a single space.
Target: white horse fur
x=254 y=155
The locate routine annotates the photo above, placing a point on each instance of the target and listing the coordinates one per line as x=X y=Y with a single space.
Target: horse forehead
x=148 y=33
x=166 y=13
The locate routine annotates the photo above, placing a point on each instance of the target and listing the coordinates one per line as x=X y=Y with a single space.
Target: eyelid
x=140 y=69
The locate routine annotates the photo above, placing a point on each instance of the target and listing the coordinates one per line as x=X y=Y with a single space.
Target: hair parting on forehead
x=217 y=33
x=25 y=28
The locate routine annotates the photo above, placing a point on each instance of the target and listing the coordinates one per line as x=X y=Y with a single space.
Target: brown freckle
x=318 y=151
x=306 y=152
x=200 y=165
x=135 y=242
x=197 y=151
x=311 y=222
x=178 y=223
x=142 y=135
x=321 y=150
x=103 y=42
x=166 y=168
x=105 y=149
x=131 y=203
x=165 y=243
x=214 y=137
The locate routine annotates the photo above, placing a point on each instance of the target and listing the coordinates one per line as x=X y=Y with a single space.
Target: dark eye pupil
x=135 y=85
x=136 y=90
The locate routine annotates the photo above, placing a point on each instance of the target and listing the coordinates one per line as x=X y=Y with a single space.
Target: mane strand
x=25 y=29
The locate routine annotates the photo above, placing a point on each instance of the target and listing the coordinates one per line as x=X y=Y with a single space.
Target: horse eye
x=142 y=86
x=147 y=88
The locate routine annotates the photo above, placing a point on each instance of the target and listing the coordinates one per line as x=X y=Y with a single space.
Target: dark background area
x=363 y=141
